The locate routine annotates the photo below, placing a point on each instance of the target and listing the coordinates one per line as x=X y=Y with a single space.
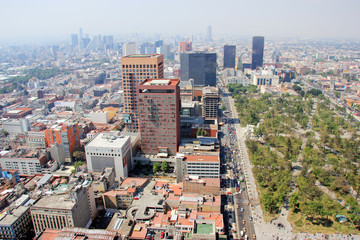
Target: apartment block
x=64 y=134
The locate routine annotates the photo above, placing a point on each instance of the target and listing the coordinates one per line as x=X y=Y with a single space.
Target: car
x=243 y=222
x=250 y=218
x=242 y=210
x=162 y=235
x=254 y=236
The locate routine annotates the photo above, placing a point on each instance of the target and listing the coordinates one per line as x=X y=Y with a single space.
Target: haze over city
x=41 y=20
x=184 y=120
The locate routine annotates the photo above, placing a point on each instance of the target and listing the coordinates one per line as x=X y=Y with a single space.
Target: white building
x=99 y=117
x=110 y=150
x=129 y=48
x=16 y=126
x=203 y=166
x=263 y=78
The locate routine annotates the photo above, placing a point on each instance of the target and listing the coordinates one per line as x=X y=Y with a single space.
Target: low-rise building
x=26 y=160
x=194 y=184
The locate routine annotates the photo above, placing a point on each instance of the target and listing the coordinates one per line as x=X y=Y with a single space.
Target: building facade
x=265 y=80
x=159 y=102
x=135 y=69
x=200 y=66
x=109 y=150
x=257 y=52
x=229 y=56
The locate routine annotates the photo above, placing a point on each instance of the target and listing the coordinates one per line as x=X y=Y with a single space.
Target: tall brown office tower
x=159 y=106
x=135 y=69
x=185 y=46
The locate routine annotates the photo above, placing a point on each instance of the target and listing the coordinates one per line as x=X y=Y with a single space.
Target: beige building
x=119 y=199
x=59 y=211
x=135 y=69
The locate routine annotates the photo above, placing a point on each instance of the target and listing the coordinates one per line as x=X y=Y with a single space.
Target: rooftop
x=7 y=219
x=55 y=202
x=108 y=140
x=138 y=182
x=200 y=158
x=204 y=229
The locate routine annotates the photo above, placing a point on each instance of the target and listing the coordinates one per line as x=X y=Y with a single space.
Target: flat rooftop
x=55 y=202
x=204 y=229
x=108 y=140
x=199 y=158
x=141 y=56
x=9 y=219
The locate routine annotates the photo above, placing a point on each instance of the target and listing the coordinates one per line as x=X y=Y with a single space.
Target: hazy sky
x=20 y=19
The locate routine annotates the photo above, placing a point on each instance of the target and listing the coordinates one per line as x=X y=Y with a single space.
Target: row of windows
x=139 y=70
x=139 y=66
x=104 y=154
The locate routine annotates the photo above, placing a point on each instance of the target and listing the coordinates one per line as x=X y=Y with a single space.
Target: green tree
x=77 y=165
x=164 y=166
x=156 y=167
x=223 y=108
x=198 y=132
x=79 y=156
x=337 y=94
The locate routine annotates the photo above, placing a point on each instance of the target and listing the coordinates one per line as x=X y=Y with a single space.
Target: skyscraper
x=80 y=33
x=229 y=56
x=135 y=69
x=159 y=105
x=129 y=48
x=200 y=66
x=257 y=52
x=185 y=46
x=159 y=46
x=74 y=40
x=209 y=34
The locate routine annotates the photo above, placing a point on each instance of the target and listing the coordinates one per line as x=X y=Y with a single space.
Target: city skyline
x=43 y=20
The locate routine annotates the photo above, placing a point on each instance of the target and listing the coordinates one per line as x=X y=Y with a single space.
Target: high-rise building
x=257 y=52
x=229 y=56
x=185 y=46
x=129 y=48
x=159 y=46
x=200 y=66
x=81 y=33
x=74 y=40
x=64 y=134
x=135 y=69
x=209 y=34
x=159 y=102
x=147 y=48
x=210 y=101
